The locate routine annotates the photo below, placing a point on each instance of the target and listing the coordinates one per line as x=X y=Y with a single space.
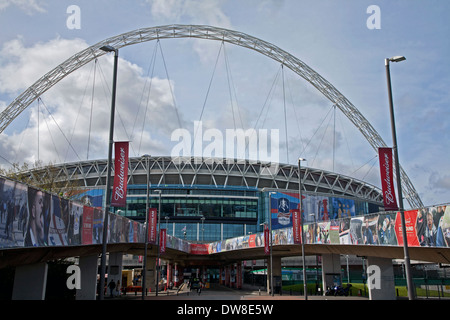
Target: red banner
x=162 y=241
x=198 y=248
x=152 y=222
x=252 y=241
x=296 y=226
x=387 y=181
x=412 y=220
x=88 y=225
x=266 y=240
x=119 y=193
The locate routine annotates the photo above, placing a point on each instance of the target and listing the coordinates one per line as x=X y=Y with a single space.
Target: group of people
x=114 y=288
x=384 y=234
x=10 y=212
x=429 y=227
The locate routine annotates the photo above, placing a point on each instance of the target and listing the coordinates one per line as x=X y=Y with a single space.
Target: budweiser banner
x=162 y=241
x=266 y=240
x=152 y=222
x=387 y=181
x=296 y=226
x=119 y=193
x=88 y=221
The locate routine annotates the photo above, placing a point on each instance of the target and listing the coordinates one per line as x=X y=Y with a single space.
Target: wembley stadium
x=211 y=199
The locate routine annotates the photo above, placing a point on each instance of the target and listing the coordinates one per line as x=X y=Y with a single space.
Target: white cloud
x=21 y=66
x=71 y=103
x=28 y=6
x=195 y=11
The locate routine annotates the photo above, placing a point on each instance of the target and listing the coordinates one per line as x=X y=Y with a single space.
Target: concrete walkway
x=220 y=292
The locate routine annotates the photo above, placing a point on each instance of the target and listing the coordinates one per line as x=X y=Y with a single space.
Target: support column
x=178 y=275
x=222 y=276
x=380 y=279
x=115 y=270
x=331 y=270
x=30 y=282
x=227 y=276
x=232 y=276
x=150 y=274
x=88 y=278
x=239 y=275
x=276 y=274
x=205 y=277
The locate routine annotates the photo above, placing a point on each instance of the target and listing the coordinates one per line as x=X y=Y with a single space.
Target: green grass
x=358 y=289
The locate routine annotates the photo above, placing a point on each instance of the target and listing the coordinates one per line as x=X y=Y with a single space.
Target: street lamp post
x=397 y=170
x=302 y=226
x=158 y=268
x=108 y=48
x=317 y=259
x=144 y=269
x=270 y=242
x=348 y=270
x=203 y=220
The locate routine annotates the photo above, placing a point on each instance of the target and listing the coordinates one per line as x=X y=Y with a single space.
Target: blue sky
x=331 y=36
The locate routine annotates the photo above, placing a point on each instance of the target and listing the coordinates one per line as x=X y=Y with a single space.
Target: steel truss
x=209 y=33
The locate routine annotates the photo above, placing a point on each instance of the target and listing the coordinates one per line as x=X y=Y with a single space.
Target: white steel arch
x=210 y=33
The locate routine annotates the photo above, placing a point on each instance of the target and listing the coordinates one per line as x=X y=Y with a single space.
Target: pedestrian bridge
x=37 y=227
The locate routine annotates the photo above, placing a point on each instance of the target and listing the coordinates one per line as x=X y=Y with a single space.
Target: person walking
x=112 y=286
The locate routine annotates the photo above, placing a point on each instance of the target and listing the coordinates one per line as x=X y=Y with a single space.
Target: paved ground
x=221 y=302
x=218 y=302
x=219 y=292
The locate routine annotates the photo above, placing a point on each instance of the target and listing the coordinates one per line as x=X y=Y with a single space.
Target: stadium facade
x=214 y=199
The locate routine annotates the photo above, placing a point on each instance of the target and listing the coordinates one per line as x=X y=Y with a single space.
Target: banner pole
x=108 y=177
x=410 y=284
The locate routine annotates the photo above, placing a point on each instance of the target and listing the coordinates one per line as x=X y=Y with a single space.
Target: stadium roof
x=215 y=172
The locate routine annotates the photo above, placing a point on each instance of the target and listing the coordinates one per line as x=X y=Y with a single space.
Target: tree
x=45 y=177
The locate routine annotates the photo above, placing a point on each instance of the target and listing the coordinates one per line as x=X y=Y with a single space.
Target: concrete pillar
x=380 y=279
x=88 y=278
x=30 y=282
x=331 y=270
x=204 y=276
x=276 y=273
x=239 y=275
x=232 y=275
x=222 y=276
x=227 y=276
x=178 y=275
x=150 y=274
x=115 y=266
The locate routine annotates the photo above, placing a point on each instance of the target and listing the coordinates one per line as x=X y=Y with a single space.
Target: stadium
x=212 y=199
x=202 y=199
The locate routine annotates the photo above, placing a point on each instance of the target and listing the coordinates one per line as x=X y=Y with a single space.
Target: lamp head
x=108 y=48
x=397 y=59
